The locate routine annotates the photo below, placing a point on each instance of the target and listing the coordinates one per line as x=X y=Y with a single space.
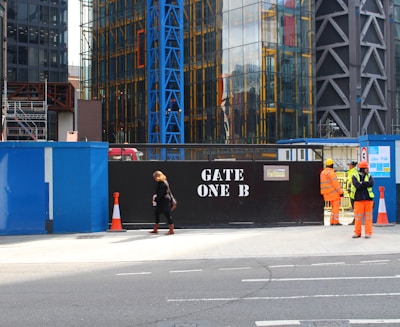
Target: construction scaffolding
x=25 y=121
x=24 y=113
x=86 y=53
x=26 y=108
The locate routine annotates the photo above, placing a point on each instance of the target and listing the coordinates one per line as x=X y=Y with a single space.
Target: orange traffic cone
x=116 y=225
x=382 y=214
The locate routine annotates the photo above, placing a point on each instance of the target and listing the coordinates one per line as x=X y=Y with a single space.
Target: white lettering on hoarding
x=222 y=189
x=244 y=190
x=213 y=190
x=220 y=175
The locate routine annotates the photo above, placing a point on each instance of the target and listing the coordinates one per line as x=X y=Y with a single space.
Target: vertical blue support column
x=165 y=72
x=152 y=71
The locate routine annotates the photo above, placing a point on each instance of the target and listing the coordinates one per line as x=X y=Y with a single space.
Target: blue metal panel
x=80 y=190
x=389 y=183
x=165 y=72
x=77 y=183
x=322 y=141
x=23 y=200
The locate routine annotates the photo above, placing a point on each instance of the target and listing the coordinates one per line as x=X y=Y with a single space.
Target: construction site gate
x=221 y=189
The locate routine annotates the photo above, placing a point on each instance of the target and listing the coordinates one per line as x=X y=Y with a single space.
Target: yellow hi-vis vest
x=352 y=172
x=369 y=189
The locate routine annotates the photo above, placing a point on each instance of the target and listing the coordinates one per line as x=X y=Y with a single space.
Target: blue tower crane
x=165 y=78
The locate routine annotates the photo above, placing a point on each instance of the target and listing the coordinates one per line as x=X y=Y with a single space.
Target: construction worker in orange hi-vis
x=363 y=200
x=331 y=190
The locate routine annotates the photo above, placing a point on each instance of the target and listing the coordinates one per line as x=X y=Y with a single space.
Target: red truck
x=124 y=154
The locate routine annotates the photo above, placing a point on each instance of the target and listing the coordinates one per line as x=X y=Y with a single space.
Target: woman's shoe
x=171 y=230
x=155 y=229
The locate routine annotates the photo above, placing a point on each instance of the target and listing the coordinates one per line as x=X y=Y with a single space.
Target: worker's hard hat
x=329 y=162
x=363 y=164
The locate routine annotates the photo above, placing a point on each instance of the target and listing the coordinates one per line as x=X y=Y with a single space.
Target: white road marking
x=282 y=266
x=278 y=323
x=185 y=271
x=134 y=273
x=332 y=263
x=298 y=322
x=327 y=263
x=294 y=297
x=374 y=321
x=317 y=279
x=237 y=268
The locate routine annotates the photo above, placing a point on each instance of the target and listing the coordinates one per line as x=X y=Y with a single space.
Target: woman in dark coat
x=162 y=202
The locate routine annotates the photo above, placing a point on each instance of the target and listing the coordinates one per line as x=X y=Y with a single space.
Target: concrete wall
x=65 y=124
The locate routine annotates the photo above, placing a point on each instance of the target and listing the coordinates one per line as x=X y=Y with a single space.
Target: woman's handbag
x=174 y=203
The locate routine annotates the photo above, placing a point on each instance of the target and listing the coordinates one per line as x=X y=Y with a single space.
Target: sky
x=73 y=32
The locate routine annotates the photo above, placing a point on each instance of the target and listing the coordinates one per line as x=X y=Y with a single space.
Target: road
x=349 y=290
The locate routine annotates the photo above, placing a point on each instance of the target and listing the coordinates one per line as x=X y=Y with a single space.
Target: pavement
x=138 y=245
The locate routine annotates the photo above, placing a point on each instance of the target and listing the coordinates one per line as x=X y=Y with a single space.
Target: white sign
x=364 y=154
x=379 y=161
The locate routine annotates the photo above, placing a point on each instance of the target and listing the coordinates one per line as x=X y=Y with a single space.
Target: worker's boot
x=155 y=229
x=171 y=230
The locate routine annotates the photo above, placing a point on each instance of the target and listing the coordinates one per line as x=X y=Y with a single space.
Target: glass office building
x=2 y=57
x=248 y=69
x=2 y=37
x=37 y=41
x=266 y=70
x=396 y=15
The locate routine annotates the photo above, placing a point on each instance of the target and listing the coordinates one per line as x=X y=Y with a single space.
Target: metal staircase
x=26 y=121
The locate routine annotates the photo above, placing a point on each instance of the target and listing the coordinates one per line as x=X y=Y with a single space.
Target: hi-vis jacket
x=330 y=186
x=350 y=187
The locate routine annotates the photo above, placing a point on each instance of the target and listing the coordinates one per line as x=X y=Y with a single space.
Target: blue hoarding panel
x=379 y=151
x=53 y=187
x=80 y=187
x=23 y=200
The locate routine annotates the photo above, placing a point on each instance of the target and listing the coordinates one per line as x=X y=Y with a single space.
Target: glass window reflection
x=235 y=28
x=251 y=24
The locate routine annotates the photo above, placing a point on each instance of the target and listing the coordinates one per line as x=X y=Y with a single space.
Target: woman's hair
x=159 y=176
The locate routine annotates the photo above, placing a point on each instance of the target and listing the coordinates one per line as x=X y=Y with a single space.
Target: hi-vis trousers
x=335 y=211
x=363 y=209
